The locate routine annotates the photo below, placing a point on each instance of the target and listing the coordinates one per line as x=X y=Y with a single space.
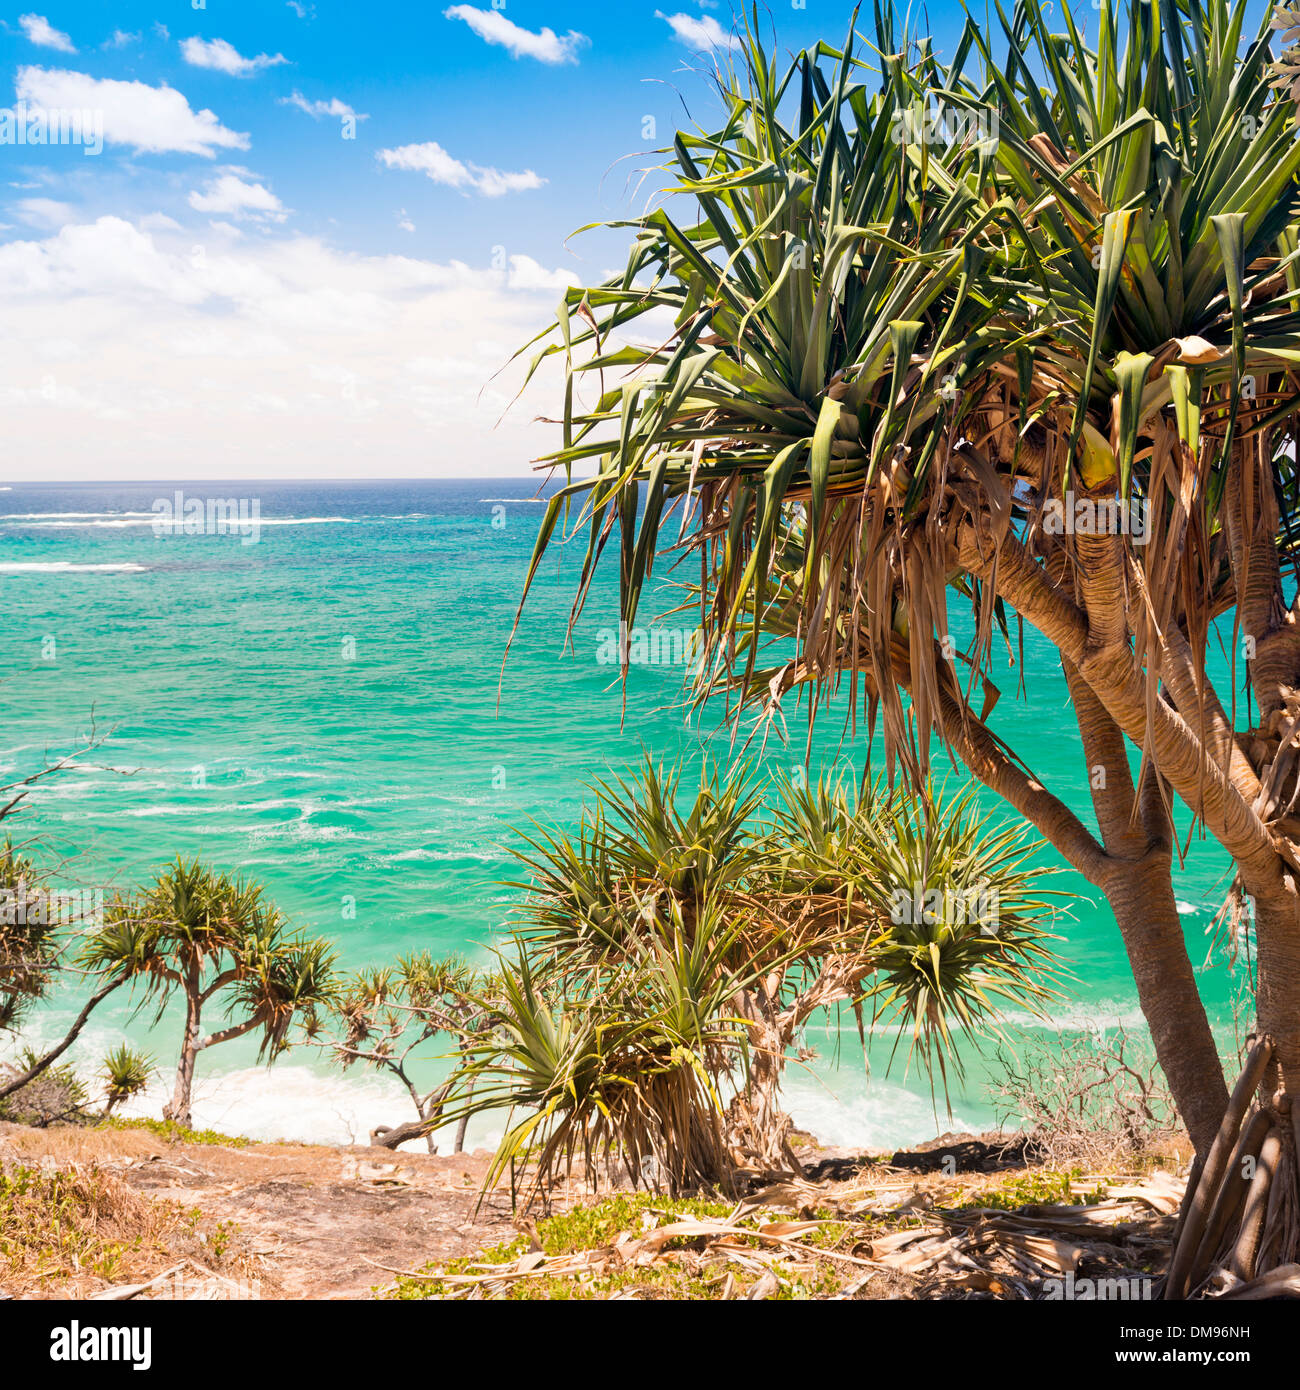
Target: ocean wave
x=1082 y=1018
x=87 y=525
x=1076 y=1018
x=79 y=521
x=279 y=803
x=300 y=1105
x=67 y=567
x=303 y=830
x=296 y=1103
x=68 y=516
x=439 y=856
x=883 y=1115
x=537 y=500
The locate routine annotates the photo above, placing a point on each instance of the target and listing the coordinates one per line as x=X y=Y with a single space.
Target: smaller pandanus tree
x=668 y=956
x=389 y=1014
x=126 y=1072
x=213 y=940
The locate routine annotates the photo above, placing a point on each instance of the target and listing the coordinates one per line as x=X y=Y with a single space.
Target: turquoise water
x=320 y=710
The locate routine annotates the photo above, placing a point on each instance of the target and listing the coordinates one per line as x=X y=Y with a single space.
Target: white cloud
x=432 y=160
x=108 y=257
x=44 y=212
x=160 y=222
x=404 y=222
x=316 y=109
x=231 y=195
x=301 y=10
x=527 y=274
x=701 y=33
x=546 y=46
x=121 y=39
x=282 y=354
x=40 y=31
x=152 y=119
x=224 y=57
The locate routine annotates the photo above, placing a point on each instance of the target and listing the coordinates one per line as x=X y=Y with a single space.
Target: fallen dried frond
x=840 y=1239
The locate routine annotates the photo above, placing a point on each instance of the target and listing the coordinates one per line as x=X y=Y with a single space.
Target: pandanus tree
x=36 y=937
x=389 y=1013
x=126 y=1072
x=34 y=947
x=926 y=362
x=29 y=937
x=215 y=941
x=669 y=954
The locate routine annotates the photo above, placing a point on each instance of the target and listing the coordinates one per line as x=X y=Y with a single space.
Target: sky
x=314 y=232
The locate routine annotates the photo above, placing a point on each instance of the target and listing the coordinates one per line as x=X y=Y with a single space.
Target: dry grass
x=70 y=1228
x=314 y=1220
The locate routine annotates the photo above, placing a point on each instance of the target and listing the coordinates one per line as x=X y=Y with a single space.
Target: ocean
x=327 y=710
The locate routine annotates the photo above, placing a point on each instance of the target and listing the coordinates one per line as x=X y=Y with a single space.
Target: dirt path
x=311 y=1219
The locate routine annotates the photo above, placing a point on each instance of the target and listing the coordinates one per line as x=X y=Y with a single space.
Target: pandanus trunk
x=1142 y=898
x=1136 y=876
x=757 y=1125
x=1277 y=1003
x=1238 y=1233
x=178 y=1108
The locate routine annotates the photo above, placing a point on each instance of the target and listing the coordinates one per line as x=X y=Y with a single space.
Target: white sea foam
x=1187 y=909
x=1077 y=1018
x=119 y=524
x=439 y=856
x=69 y=516
x=878 y=1114
x=32 y=521
x=299 y=1104
x=293 y=1102
x=67 y=567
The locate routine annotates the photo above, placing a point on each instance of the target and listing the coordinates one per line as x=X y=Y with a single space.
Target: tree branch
x=55 y=1053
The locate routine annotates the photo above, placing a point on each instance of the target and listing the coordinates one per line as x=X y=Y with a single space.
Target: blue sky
x=419 y=73
x=317 y=228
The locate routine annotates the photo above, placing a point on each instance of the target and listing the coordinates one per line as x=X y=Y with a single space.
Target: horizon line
x=85 y=482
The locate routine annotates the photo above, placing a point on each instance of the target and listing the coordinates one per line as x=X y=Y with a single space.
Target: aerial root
x=1239 y=1226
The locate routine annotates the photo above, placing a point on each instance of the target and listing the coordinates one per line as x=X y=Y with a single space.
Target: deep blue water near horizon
x=319 y=710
